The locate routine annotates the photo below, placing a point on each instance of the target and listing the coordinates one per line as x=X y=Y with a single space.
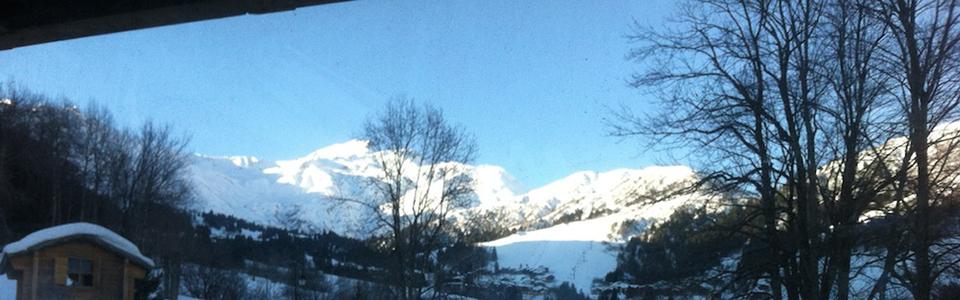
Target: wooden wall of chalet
x=108 y=273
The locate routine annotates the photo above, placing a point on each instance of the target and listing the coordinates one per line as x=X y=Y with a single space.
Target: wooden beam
x=125 y=287
x=36 y=270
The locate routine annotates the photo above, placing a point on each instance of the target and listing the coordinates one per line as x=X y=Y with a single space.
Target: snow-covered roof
x=56 y=234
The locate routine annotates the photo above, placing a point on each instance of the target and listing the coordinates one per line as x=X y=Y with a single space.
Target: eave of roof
x=24 y=23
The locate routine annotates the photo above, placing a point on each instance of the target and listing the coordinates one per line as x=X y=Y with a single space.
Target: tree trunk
x=921 y=244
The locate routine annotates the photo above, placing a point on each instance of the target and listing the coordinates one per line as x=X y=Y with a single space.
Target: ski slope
x=579 y=252
x=577 y=258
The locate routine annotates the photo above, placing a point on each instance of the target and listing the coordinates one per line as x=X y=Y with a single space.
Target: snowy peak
x=268 y=192
x=323 y=170
x=244 y=161
x=271 y=193
x=238 y=161
x=601 y=182
x=347 y=150
x=585 y=195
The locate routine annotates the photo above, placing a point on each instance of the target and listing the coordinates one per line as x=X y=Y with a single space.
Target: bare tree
x=723 y=49
x=789 y=102
x=95 y=149
x=421 y=178
x=853 y=112
x=212 y=283
x=150 y=177
x=926 y=63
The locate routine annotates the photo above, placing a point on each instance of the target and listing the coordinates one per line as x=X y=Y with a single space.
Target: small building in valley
x=74 y=261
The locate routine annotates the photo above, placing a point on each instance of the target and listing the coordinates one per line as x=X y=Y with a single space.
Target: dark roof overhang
x=30 y=22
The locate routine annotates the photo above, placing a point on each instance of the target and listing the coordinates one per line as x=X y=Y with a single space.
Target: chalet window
x=80 y=272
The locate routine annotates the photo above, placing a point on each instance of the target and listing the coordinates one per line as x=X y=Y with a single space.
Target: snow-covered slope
x=308 y=189
x=579 y=252
x=574 y=252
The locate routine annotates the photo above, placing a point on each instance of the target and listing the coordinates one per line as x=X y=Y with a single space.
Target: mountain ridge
x=265 y=192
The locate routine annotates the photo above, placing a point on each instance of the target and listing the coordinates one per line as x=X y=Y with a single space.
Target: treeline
x=326 y=252
x=827 y=125
x=287 y=257
x=294 y=259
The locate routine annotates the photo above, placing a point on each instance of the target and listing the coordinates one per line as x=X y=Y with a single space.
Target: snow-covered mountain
x=569 y=229
x=270 y=192
x=308 y=188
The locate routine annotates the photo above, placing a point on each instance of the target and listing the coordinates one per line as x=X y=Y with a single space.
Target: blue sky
x=532 y=80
